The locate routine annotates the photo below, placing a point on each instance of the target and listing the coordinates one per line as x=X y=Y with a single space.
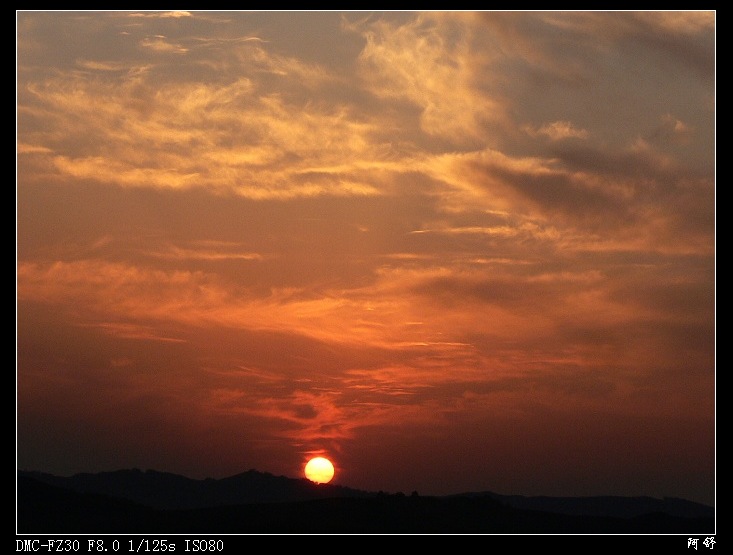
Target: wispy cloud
x=173 y=14
x=429 y=63
x=557 y=130
x=159 y=43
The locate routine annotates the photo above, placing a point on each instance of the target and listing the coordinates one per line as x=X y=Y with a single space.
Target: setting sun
x=319 y=470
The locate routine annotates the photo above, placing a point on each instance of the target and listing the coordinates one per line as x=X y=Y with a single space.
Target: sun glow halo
x=319 y=470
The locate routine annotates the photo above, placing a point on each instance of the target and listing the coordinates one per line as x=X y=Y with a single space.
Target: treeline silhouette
x=44 y=507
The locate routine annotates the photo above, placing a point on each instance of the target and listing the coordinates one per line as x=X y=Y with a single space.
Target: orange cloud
x=557 y=130
x=173 y=14
x=292 y=151
x=161 y=44
x=421 y=62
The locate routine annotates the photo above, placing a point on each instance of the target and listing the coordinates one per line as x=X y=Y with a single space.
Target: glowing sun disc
x=319 y=470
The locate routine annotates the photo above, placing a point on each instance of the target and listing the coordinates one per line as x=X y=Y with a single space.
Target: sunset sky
x=450 y=251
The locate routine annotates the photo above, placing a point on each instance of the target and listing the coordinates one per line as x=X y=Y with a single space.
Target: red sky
x=451 y=251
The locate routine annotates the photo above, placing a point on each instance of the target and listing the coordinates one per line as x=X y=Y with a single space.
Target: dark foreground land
x=44 y=508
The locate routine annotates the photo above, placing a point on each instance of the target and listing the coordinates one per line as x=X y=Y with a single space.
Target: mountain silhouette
x=135 y=501
x=162 y=490
x=616 y=506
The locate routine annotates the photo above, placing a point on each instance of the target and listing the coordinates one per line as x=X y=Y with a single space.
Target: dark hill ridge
x=623 y=507
x=47 y=509
x=135 y=501
x=163 y=490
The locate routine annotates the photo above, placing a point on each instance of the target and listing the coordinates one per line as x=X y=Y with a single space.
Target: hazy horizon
x=450 y=251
